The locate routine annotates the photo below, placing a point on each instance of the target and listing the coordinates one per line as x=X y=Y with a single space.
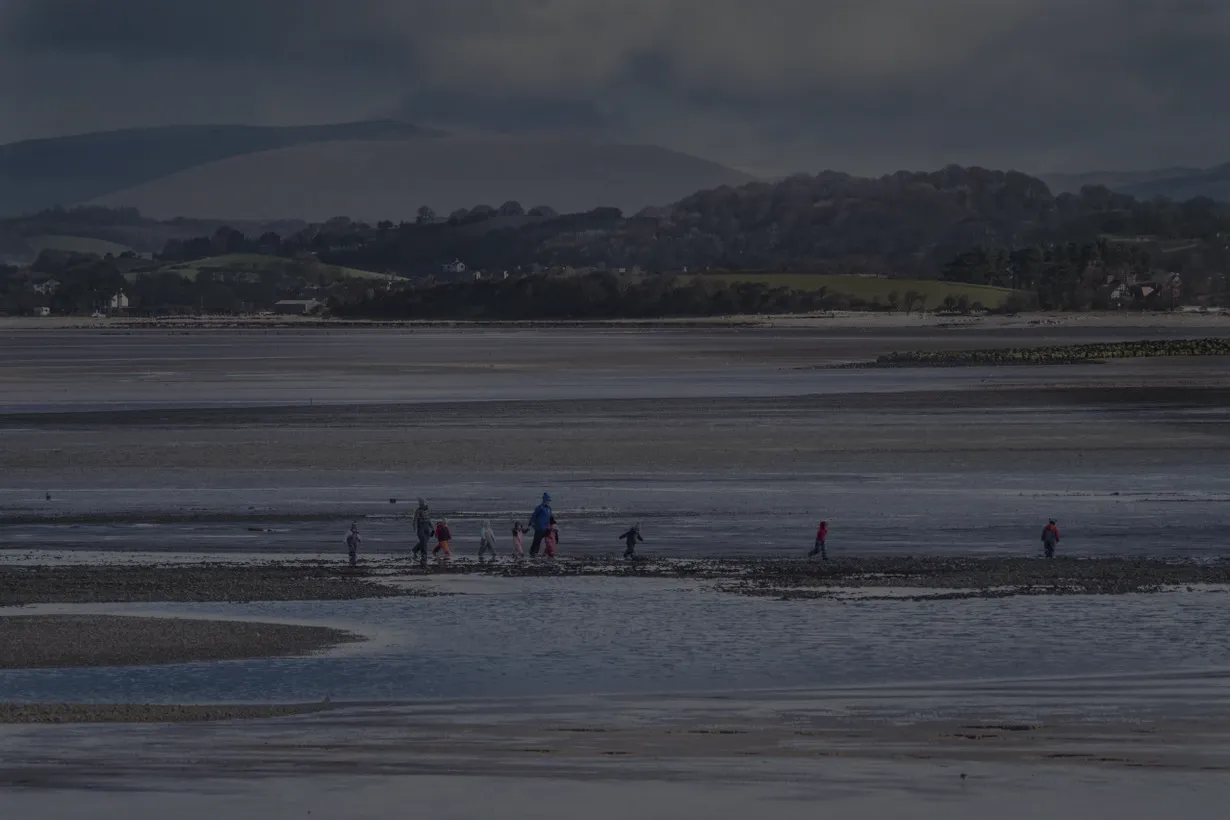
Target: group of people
x=542 y=525
x=545 y=529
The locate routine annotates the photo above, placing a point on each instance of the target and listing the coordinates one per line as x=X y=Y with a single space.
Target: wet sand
x=79 y=713
x=62 y=641
x=724 y=443
x=931 y=577
x=302 y=581
x=753 y=754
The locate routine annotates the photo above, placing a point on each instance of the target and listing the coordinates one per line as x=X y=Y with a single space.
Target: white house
x=456 y=266
x=297 y=307
x=118 y=302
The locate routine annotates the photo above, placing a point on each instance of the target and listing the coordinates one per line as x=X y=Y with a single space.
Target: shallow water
x=574 y=636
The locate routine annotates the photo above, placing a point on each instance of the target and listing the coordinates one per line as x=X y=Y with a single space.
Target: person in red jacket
x=443 y=536
x=822 y=535
x=1050 y=537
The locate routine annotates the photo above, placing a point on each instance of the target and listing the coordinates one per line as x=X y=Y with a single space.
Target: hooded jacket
x=632 y=536
x=540 y=519
x=1050 y=534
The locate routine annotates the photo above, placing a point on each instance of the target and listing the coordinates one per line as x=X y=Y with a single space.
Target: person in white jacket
x=486 y=542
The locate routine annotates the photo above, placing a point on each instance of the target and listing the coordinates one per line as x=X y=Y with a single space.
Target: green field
x=74 y=244
x=873 y=289
x=256 y=263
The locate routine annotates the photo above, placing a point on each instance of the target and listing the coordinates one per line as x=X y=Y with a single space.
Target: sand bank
x=300 y=581
x=61 y=641
x=13 y=713
x=888 y=578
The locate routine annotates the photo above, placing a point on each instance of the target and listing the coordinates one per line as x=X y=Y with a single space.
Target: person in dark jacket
x=822 y=535
x=423 y=531
x=1050 y=537
x=630 y=538
x=540 y=523
x=353 y=540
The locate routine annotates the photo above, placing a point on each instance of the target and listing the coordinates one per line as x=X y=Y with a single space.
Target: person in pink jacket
x=518 y=540
x=551 y=540
x=822 y=536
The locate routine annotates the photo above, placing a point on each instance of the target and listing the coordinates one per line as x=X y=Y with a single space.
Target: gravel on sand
x=144 y=713
x=235 y=583
x=58 y=641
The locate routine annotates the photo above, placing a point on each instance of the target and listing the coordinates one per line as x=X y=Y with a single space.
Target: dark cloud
x=865 y=85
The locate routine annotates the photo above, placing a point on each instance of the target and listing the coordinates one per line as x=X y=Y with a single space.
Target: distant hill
x=1179 y=184
x=43 y=173
x=904 y=224
x=375 y=180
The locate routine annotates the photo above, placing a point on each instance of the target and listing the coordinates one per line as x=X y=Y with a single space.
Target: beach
x=175 y=481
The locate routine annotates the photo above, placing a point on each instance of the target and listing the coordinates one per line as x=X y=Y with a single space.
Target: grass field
x=259 y=263
x=74 y=244
x=872 y=289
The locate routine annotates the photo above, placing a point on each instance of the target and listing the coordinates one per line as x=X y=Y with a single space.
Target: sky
x=771 y=86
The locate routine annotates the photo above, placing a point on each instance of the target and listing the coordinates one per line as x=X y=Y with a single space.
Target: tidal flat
x=160 y=452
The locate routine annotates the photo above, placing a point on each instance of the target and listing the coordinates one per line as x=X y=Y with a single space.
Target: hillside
x=902 y=224
x=376 y=180
x=256 y=265
x=104 y=230
x=1179 y=184
x=43 y=173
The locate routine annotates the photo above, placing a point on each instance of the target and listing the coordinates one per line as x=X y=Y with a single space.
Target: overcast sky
x=866 y=86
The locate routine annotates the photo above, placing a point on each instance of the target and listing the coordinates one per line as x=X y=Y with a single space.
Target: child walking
x=518 y=539
x=630 y=538
x=486 y=542
x=443 y=536
x=551 y=540
x=353 y=539
x=822 y=535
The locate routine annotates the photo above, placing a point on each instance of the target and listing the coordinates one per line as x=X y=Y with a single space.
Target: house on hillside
x=456 y=267
x=297 y=307
x=46 y=287
x=118 y=302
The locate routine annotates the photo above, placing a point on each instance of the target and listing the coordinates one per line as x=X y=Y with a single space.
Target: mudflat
x=719 y=440
x=58 y=641
x=303 y=581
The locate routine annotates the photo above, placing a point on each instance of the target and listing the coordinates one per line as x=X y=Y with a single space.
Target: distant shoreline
x=1214 y=318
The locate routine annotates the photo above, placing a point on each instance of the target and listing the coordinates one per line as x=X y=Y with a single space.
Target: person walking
x=422 y=531
x=443 y=536
x=1050 y=538
x=518 y=540
x=551 y=540
x=630 y=539
x=822 y=536
x=540 y=522
x=486 y=542
x=353 y=540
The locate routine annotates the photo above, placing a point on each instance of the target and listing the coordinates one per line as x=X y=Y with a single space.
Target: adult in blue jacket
x=540 y=523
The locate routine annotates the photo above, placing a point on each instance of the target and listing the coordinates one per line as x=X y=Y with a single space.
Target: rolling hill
x=1179 y=184
x=43 y=173
x=70 y=170
x=373 y=180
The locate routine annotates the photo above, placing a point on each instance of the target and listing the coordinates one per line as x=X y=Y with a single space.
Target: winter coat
x=540 y=519
x=631 y=537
